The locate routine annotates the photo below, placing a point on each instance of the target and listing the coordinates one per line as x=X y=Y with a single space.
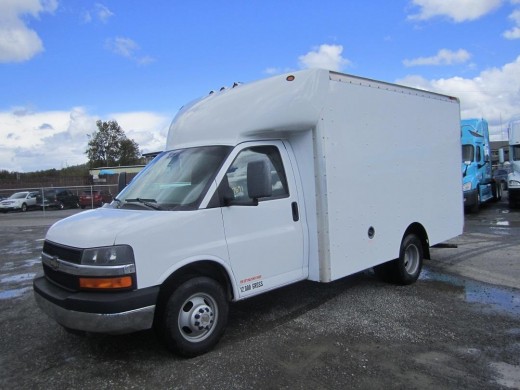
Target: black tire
x=497 y=191
x=195 y=317
x=74 y=332
x=407 y=268
x=474 y=208
x=24 y=207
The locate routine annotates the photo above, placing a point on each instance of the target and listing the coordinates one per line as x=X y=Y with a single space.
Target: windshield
x=19 y=195
x=174 y=180
x=515 y=152
x=467 y=153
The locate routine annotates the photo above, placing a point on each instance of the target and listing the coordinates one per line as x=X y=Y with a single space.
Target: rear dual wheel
x=407 y=268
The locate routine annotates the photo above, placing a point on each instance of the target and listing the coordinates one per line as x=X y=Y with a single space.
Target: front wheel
x=474 y=208
x=195 y=317
x=24 y=207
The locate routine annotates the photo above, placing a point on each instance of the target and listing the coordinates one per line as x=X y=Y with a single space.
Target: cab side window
x=236 y=176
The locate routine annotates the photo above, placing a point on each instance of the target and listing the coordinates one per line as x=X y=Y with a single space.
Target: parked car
x=57 y=198
x=21 y=201
x=94 y=198
x=500 y=175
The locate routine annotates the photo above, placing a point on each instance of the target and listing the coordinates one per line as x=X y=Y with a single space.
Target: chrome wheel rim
x=197 y=317
x=411 y=259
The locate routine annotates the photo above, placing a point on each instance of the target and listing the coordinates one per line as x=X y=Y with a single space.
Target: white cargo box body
x=390 y=158
x=373 y=158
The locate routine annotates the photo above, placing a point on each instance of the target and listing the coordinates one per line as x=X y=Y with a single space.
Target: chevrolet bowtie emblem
x=54 y=263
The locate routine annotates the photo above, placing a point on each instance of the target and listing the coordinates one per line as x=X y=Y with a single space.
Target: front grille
x=62 y=279
x=66 y=253
x=62 y=252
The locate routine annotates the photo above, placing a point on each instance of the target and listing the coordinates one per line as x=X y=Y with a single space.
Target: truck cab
x=513 y=179
x=478 y=184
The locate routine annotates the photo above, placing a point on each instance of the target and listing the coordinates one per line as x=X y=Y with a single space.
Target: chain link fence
x=49 y=198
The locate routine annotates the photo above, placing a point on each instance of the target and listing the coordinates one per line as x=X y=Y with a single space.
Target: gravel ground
x=457 y=327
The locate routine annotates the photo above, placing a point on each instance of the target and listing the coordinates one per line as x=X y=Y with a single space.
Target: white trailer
x=310 y=175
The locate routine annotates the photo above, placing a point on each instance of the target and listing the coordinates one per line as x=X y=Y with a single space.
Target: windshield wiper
x=151 y=203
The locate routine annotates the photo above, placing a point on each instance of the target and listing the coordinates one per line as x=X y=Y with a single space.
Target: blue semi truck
x=478 y=184
x=514 y=157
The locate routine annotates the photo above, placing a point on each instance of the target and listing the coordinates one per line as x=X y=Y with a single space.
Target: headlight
x=466 y=186
x=108 y=255
x=514 y=183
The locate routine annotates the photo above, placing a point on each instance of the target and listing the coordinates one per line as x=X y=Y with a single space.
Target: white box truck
x=311 y=175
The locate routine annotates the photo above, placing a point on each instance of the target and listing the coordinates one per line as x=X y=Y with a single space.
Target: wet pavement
x=457 y=327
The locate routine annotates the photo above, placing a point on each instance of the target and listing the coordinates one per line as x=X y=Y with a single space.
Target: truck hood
x=515 y=175
x=101 y=227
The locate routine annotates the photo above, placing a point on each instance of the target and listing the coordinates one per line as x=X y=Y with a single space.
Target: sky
x=64 y=64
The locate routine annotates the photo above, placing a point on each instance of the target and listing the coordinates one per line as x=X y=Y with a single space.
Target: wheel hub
x=202 y=318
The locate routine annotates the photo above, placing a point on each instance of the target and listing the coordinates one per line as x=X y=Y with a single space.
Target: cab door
x=264 y=236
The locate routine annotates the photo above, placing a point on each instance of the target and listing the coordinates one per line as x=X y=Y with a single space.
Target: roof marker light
x=290 y=78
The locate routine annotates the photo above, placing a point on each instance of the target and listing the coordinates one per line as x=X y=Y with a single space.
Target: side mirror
x=259 y=183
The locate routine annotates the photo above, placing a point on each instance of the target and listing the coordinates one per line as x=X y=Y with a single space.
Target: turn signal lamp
x=106 y=283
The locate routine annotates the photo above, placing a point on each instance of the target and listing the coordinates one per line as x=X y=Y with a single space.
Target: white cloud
x=494 y=94
x=100 y=12
x=514 y=33
x=18 y=42
x=325 y=56
x=33 y=141
x=127 y=48
x=148 y=129
x=443 y=57
x=103 y=13
x=122 y=46
x=458 y=11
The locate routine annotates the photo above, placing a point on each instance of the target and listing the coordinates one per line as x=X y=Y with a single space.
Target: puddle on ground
x=14 y=293
x=500 y=230
x=505 y=300
x=16 y=278
x=505 y=223
x=11 y=265
x=16 y=285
